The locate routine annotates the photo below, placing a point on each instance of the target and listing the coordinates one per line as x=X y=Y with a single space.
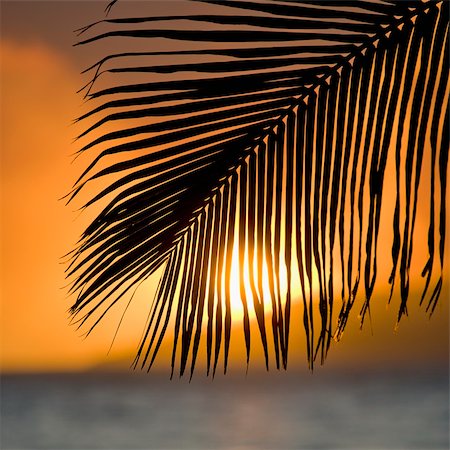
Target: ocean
x=408 y=410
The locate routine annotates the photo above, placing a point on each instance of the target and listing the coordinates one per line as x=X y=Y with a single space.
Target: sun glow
x=237 y=309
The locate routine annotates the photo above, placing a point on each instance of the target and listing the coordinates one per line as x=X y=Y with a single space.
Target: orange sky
x=39 y=79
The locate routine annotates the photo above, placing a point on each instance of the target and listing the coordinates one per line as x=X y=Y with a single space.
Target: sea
x=354 y=410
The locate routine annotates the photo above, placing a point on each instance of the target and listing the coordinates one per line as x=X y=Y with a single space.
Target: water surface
x=134 y=411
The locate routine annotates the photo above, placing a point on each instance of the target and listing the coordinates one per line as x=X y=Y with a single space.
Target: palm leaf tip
x=266 y=153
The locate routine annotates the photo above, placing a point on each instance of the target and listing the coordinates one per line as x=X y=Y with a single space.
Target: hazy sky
x=39 y=79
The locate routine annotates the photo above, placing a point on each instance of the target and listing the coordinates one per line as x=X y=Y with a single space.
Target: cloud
x=38 y=104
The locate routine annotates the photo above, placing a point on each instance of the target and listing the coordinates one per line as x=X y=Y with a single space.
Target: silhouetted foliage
x=278 y=117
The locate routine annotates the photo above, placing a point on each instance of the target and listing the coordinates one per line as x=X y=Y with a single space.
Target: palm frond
x=269 y=132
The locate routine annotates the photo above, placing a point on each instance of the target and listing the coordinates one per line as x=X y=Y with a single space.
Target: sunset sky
x=40 y=74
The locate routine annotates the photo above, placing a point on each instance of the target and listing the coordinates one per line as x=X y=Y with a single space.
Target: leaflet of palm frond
x=426 y=84
x=441 y=39
x=266 y=150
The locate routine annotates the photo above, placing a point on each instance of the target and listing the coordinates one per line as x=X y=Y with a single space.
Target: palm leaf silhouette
x=268 y=129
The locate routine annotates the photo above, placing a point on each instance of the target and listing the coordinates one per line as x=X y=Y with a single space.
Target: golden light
x=237 y=309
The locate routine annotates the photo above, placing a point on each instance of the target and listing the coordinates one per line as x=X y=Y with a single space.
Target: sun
x=237 y=309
